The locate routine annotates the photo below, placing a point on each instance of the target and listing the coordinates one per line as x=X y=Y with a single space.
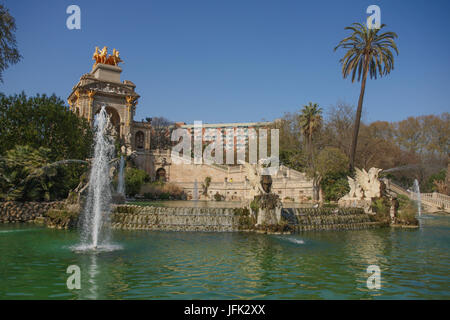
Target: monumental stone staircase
x=432 y=202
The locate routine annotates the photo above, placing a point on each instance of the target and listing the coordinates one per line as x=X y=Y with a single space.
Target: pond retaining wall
x=133 y=217
x=13 y=211
x=307 y=219
x=174 y=219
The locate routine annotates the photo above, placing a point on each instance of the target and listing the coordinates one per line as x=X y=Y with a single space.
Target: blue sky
x=235 y=60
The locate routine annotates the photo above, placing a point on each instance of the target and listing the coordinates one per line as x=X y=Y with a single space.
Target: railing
x=435 y=200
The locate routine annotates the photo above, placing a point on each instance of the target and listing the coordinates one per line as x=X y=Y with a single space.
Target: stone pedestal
x=106 y=72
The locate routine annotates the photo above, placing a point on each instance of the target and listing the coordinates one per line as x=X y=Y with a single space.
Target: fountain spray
x=95 y=231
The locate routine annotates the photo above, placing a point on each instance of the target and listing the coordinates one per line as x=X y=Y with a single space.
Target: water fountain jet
x=416 y=190
x=95 y=216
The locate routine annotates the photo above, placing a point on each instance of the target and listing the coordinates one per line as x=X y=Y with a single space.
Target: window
x=139 y=140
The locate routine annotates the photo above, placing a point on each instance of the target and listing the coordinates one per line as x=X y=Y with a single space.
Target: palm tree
x=310 y=121
x=368 y=52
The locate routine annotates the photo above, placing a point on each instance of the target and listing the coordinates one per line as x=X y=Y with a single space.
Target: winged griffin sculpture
x=365 y=185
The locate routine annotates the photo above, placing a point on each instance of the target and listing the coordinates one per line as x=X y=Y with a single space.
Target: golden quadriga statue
x=105 y=58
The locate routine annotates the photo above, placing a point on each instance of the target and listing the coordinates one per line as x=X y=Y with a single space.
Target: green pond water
x=414 y=264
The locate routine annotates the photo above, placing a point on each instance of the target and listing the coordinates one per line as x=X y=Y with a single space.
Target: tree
x=205 y=186
x=26 y=174
x=291 y=150
x=368 y=53
x=338 y=128
x=8 y=46
x=310 y=121
x=161 y=130
x=43 y=121
x=30 y=126
x=331 y=161
x=134 y=179
x=331 y=166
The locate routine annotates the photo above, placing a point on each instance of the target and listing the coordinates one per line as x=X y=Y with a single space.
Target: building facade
x=103 y=87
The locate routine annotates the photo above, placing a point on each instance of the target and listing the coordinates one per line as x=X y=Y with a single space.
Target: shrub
x=407 y=215
x=162 y=191
x=246 y=221
x=335 y=186
x=218 y=197
x=381 y=207
x=254 y=205
x=134 y=179
x=206 y=185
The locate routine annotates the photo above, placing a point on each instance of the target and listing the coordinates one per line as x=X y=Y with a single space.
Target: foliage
x=218 y=197
x=43 y=121
x=161 y=133
x=407 y=214
x=368 y=53
x=432 y=182
x=403 y=201
x=380 y=144
x=205 y=186
x=331 y=161
x=254 y=205
x=267 y=201
x=134 y=179
x=246 y=221
x=335 y=186
x=62 y=219
x=381 y=207
x=26 y=175
x=8 y=46
x=310 y=121
x=331 y=164
x=163 y=191
x=37 y=131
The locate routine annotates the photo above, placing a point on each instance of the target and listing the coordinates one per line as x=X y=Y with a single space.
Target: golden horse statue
x=103 y=57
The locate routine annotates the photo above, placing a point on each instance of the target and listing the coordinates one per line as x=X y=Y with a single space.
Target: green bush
x=381 y=207
x=218 y=197
x=163 y=191
x=27 y=174
x=254 y=205
x=134 y=179
x=335 y=186
x=407 y=214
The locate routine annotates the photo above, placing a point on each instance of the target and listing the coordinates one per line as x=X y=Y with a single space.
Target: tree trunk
x=358 y=116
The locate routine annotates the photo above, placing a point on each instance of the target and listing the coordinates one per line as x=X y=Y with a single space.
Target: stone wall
x=11 y=211
x=231 y=182
x=308 y=219
x=174 y=219
x=132 y=217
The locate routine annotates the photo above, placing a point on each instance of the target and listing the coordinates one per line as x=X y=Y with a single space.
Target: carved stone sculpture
x=363 y=188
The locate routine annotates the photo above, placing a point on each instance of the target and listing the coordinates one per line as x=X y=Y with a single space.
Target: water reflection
x=183 y=265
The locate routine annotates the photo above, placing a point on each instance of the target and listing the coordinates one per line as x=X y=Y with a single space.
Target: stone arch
x=139 y=140
x=161 y=174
